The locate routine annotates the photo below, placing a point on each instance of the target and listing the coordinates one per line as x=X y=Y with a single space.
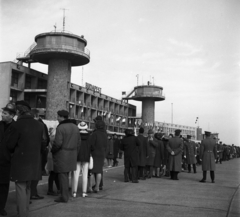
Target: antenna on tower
x=55 y=26
x=64 y=9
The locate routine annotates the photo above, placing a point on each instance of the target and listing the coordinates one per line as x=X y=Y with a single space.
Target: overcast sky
x=191 y=48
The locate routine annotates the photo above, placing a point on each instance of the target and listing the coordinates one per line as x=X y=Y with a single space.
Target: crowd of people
x=28 y=149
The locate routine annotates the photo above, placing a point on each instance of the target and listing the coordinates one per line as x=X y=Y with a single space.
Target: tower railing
x=27 y=52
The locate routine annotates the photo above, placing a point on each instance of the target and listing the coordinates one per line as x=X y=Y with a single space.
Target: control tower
x=60 y=51
x=148 y=94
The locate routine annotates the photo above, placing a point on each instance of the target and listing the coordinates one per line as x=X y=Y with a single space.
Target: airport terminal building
x=85 y=103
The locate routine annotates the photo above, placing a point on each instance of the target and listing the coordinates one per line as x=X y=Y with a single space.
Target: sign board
x=93 y=88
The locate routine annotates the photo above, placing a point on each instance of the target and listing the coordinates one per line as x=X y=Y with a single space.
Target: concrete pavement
x=153 y=197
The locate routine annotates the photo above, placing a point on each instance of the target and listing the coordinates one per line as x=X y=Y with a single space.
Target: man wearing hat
x=8 y=113
x=152 y=144
x=208 y=154
x=143 y=154
x=25 y=142
x=220 y=152
x=190 y=153
x=65 y=149
x=175 y=147
x=130 y=145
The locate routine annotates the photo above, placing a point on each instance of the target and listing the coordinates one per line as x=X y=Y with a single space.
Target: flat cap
x=63 y=113
x=207 y=133
x=10 y=107
x=178 y=131
x=98 y=118
x=24 y=103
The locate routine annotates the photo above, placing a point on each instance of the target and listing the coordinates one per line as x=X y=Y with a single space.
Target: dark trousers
x=115 y=162
x=34 y=184
x=23 y=197
x=53 y=177
x=212 y=175
x=149 y=170
x=130 y=173
x=141 y=172
x=174 y=175
x=194 y=168
x=64 y=185
x=4 y=188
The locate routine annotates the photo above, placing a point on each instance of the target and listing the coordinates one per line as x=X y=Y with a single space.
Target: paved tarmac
x=153 y=197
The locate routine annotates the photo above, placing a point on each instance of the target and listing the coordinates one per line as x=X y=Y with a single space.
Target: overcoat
x=190 y=151
x=116 y=146
x=85 y=148
x=25 y=141
x=98 y=143
x=143 y=150
x=5 y=156
x=152 y=144
x=130 y=146
x=109 y=149
x=220 y=150
x=65 y=147
x=175 y=144
x=158 y=161
x=208 y=154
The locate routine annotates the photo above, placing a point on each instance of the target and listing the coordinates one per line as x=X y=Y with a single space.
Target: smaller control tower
x=148 y=94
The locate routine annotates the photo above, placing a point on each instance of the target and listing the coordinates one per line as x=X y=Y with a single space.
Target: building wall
x=169 y=128
x=83 y=104
x=5 y=79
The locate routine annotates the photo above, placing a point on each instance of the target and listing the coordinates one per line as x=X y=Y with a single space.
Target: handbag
x=90 y=165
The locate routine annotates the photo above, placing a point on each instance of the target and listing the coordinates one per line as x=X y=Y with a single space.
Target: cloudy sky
x=190 y=48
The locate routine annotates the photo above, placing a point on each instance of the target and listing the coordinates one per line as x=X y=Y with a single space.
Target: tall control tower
x=148 y=94
x=60 y=51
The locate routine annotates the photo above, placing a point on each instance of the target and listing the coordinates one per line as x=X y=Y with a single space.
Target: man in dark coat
x=219 y=152
x=143 y=154
x=116 y=145
x=130 y=145
x=190 y=153
x=208 y=154
x=34 y=183
x=8 y=114
x=175 y=148
x=159 y=157
x=25 y=142
x=152 y=144
x=65 y=149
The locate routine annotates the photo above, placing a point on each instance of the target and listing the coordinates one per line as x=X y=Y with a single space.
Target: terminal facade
x=22 y=83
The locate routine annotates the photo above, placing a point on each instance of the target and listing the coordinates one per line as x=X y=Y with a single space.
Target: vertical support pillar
x=59 y=74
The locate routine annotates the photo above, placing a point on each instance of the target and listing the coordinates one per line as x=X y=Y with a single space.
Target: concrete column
x=59 y=74
x=148 y=112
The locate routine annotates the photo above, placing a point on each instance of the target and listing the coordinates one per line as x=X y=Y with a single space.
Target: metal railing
x=26 y=53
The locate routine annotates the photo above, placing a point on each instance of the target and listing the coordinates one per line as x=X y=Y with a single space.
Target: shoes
x=36 y=197
x=100 y=188
x=60 y=200
x=3 y=212
x=142 y=178
x=96 y=191
x=30 y=202
x=52 y=193
x=202 y=180
x=213 y=181
x=126 y=180
x=136 y=181
x=189 y=171
x=74 y=194
x=89 y=191
x=84 y=195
